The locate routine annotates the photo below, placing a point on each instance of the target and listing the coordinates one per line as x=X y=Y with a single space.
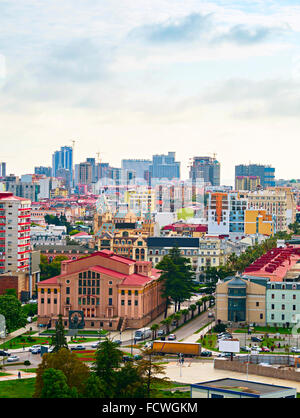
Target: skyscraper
x=2 y=169
x=63 y=159
x=139 y=167
x=164 y=167
x=266 y=173
x=206 y=168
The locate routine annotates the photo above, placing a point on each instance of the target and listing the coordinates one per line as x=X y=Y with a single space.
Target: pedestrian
x=19 y=375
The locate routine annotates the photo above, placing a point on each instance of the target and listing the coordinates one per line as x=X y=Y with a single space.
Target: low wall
x=236 y=366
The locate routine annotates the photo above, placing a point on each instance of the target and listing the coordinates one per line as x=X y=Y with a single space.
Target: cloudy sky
x=134 y=78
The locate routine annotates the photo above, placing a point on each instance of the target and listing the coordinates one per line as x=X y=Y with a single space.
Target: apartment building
x=14 y=233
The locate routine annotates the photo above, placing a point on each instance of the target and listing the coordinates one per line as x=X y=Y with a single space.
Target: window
x=43 y=291
x=48 y=300
x=272 y=306
x=67 y=290
x=122 y=302
x=110 y=291
x=129 y=292
x=294 y=307
x=55 y=291
x=272 y=316
x=272 y=295
x=294 y=297
x=282 y=317
x=122 y=292
x=129 y=302
x=282 y=296
x=110 y=301
x=42 y=300
x=136 y=292
x=283 y=307
x=136 y=302
x=257 y=303
x=55 y=301
x=261 y=316
x=68 y=301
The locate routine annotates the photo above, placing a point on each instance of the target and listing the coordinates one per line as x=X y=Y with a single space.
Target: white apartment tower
x=15 y=247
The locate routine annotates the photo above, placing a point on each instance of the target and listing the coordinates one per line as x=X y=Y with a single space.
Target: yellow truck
x=175 y=347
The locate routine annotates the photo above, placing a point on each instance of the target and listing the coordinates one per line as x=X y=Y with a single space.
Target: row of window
x=89 y=275
x=129 y=302
x=283 y=307
x=282 y=296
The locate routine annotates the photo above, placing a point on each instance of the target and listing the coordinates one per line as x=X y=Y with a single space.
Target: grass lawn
x=267 y=330
x=22 y=341
x=204 y=326
x=160 y=390
x=21 y=388
x=209 y=341
x=4 y=374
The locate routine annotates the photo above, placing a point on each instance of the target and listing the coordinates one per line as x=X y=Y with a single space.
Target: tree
x=192 y=309
x=94 y=387
x=130 y=382
x=11 y=292
x=11 y=309
x=107 y=361
x=154 y=328
x=176 y=277
x=177 y=317
x=149 y=371
x=185 y=313
x=55 y=385
x=76 y=372
x=199 y=303
x=59 y=340
x=51 y=269
x=167 y=323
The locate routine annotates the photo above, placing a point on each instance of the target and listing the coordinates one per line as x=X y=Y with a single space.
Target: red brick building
x=114 y=292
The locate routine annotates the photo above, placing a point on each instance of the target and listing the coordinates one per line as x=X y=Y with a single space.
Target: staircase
x=124 y=324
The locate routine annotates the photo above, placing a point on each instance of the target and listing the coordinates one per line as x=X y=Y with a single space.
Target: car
x=172 y=337
x=13 y=358
x=137 y=357
x=266 y=349
x=36 y=351
x=119 y=342
x=256 y=348
x=295 y=350
x=4 y=353
x=34 y=347
x=206 y=354
x=245 y=348
x=78 y=347
x=256 y=339
x=211 y=315
x=127 y=358
x=50 y=349
x=149 y=344
x=226 y=355
x=96 y=344
x=160 y=332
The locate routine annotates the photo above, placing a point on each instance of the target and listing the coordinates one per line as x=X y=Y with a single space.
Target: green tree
x=149 y=370
x=94 y=387
x=55 y=385
x=154 y=328
x=107 y=361
x=130 y=382
x=167 y=323
x=185 y=313
x=11 y=309
x=76 y=372
x=59 y=340
x=11 y=292
x=199 y=303
x=192 y=308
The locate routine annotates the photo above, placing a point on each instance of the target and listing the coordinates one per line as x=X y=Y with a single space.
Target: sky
x=130 y=79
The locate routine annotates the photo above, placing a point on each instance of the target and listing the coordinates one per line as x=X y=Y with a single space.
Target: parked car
x=96 y=344
x=4 y=353
x=50 y=349
x=256 y=339
x=211 y=315
x=160 y=332
x=34 y=347
x=295 y=350
x=12 y=359
x=172 y=337
x=206 y=354
x=127 y=358
x=36 y=351
x=226 y=355
x=256 y=348
x=149 y=344
x=267 y=350
x=245 y=348
x=78 y=347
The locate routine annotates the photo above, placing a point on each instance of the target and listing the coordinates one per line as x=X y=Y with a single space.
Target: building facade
x=206 y=168
x=113 y=292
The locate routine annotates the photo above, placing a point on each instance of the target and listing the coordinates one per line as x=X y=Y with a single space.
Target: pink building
x=112 y=291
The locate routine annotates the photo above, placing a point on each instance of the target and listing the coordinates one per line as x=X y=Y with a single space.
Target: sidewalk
x=13 y=375
x=195 y=337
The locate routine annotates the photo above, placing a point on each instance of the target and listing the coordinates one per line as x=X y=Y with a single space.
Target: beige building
x=241 y=300
x=275 y=203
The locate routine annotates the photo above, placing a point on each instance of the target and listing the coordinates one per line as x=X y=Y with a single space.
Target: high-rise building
x=266 y=173
x=2 y=169
x=206 y=168
x=247 y=183
x=15 y=249
x=85 y=173
x=47 y=171
x=164 y=167
x=140 y=167
x=63 y=159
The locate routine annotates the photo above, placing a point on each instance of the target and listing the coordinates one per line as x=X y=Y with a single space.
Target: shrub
x=27 y=363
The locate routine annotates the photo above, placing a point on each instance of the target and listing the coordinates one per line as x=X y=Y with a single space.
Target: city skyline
x=217 y=77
